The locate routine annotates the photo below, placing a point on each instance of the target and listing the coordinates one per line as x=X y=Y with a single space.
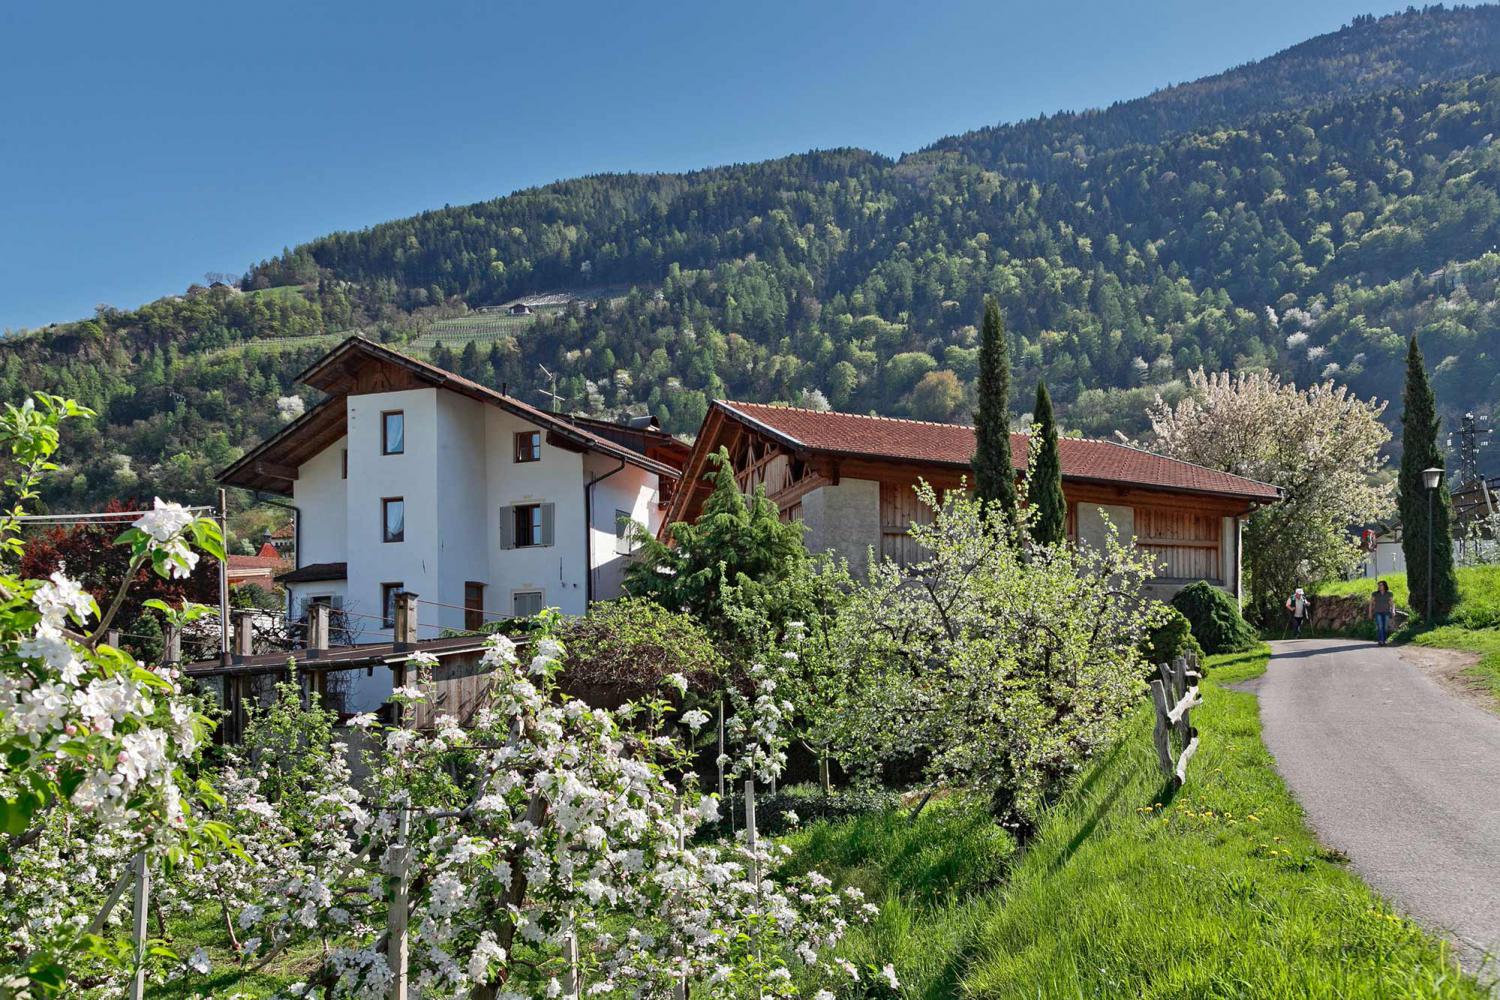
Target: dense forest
x=1304 y=213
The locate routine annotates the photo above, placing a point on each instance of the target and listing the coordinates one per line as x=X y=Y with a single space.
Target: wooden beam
x=276 y=470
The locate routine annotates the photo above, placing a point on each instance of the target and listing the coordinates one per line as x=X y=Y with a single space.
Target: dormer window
x=528 y=446
x=392 y=432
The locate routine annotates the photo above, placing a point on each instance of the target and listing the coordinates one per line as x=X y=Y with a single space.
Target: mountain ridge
x=1310 y=241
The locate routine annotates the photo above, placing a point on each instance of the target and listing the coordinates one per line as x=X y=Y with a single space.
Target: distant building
x=518 y=309
x=850 y=480
x=259 y=569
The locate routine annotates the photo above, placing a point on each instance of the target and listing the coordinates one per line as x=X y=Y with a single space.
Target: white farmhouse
x=411 y=478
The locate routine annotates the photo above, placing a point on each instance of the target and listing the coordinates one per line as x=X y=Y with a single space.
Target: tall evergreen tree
x=1044 y=490
x=1419 y=450
x=994 y=475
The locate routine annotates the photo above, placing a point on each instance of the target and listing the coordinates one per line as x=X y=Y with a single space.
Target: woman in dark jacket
x=1382 y=606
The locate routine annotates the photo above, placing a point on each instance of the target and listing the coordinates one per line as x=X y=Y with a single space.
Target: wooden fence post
x=572 y=980
x=138 y=917
x=397 y=944
x=752 y=836
x=679 y=981
x=1159 y=733
x=171 y=648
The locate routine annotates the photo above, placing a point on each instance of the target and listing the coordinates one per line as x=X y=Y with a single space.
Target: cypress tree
x=1419 y=450
x=1045 y=491
x=994 y=475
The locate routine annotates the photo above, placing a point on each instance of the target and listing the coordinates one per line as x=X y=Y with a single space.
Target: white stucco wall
x=633 y=490
x=320 y=494
x=557 y=570
x=845 y=519
x=462 y=450
x=413 y=562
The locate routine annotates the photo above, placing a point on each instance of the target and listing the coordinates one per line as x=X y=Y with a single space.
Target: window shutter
x=507 y=527
x=547 y=519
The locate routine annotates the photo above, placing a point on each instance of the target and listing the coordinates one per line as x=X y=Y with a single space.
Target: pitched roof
x=265 y=467
x=919 y=442
x=238 y=562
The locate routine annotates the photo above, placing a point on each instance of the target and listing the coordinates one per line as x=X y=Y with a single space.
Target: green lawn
x=1473 y=626
x=1128 y=891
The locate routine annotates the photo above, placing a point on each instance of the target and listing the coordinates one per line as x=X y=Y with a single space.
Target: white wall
x=462 y=451
x=633 y=490
x=319 y=491
x=413 y=562
x=557 y=570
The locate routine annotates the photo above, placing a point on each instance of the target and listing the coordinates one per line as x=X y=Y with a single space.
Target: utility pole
x=224 y=655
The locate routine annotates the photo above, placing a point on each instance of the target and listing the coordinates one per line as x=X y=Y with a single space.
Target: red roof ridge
x=846 y=413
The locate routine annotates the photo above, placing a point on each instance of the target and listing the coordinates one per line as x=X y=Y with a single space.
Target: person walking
x=1382 y=607
x=1297 y=605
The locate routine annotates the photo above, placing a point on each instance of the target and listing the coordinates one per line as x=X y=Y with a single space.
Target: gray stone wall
x=844 y=519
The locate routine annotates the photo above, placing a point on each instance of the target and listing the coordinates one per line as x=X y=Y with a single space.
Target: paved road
x=1396 y=773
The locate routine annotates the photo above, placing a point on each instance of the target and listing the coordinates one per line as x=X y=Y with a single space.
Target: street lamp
x=1431 y=478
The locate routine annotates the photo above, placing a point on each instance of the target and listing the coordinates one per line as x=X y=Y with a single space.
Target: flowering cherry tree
x=92 y=744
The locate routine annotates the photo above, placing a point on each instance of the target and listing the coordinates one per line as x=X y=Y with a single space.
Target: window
x=528 y=446
x=526 y=603
x=392 y=432
x=393 y=519
x=388 y=592
x=623 y=533
x=473 y=606
x=526 y=525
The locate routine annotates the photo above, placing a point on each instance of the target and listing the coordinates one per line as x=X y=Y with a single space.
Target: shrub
x=810 y=803
x=630 y=645
x=1171 y=639
x=1215 y=619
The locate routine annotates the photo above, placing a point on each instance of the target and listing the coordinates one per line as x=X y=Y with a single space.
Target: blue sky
x=142 y=145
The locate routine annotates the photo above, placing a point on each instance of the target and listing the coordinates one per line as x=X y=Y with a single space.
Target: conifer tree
x=1419 y=450
x=1044 y=490
x=994 y=475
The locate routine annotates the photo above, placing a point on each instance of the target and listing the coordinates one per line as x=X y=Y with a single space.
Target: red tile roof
x=917 y=441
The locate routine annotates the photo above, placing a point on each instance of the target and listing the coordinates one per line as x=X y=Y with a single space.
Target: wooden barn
x=850 y=480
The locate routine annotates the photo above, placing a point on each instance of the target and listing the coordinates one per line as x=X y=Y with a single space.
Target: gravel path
x=1399 y=775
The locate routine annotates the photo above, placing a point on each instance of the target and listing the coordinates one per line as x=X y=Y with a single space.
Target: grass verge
x=1128 y=890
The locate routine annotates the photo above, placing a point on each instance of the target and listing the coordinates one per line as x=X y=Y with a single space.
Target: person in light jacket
x=1382 y=607
x=1297 y=604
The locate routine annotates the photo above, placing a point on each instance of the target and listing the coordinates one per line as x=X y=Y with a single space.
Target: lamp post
x=1431 y=478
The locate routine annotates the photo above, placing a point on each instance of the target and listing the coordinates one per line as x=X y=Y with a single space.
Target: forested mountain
x=1247 y=219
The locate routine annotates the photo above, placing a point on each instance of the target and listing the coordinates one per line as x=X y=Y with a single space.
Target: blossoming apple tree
x=92 y=744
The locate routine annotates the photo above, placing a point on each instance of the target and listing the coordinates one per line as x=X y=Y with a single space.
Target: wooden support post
x=572 y=977
x=112 y=638
x=679 y=981
x=138 y=917
x=721 y=750
x=1160 y=732
x=171 y=647
x=406 y=620
x=244 y=634
x=223 y=519
x=317 y=630
x=752 y=837
x=397 y=944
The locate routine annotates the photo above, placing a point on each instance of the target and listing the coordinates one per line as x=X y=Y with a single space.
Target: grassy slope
x=1474 y=625
x=1220 y=891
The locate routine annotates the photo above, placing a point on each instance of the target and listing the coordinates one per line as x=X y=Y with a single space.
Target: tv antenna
x=552 y=393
